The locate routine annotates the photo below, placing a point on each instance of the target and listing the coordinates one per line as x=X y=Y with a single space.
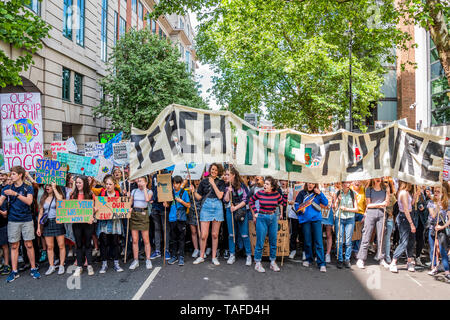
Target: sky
x=204 y=73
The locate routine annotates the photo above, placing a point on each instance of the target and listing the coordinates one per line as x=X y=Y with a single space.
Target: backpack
x=181 y=197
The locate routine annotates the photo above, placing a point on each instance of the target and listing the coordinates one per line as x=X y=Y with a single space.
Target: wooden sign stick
x=165 y=236
x=193 y=198
x=128 y=221
x=284 y=242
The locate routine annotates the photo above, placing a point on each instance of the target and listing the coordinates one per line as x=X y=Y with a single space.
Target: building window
x=141 y=11
x=67 y=19
x=181 y=23
x=181 y=51
x=134 y=6
x=188 y=61
x=80 y=20
x=104 y=29
x=160 y=32
x=66 y=84
x=34 y=5
x=78 y=88
x=153 y=26
x=122 y=27
x=116 y=24
x=188 y=30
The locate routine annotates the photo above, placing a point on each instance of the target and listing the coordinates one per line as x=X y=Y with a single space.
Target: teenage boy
x=177 y=221
x=19 y=197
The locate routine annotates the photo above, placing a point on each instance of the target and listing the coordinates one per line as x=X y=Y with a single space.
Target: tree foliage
x=22 y=29
x=145 y=75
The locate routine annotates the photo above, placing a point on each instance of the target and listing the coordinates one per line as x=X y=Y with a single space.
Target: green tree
x=145 y=75
x=290 y=58
x=22 y=29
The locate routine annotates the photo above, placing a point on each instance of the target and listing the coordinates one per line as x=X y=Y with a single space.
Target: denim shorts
x=16 y=230
x=212 y=209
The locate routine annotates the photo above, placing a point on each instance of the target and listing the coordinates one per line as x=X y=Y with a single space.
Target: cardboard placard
x=48 y=154
x=112 y=208
x=74 y=211
x=164 y=187
x=282 y=239
x=105 y=168
x=80 y=165
x=58 y=146
x=120 y=152
x=51 y=171
x=357 y=231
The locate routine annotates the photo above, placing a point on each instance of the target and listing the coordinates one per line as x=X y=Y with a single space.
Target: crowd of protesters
x=383 y=217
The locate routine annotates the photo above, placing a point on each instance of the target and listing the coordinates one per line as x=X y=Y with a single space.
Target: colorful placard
x=93 y=149
x=112 y=208
x=108 y=152
x=74 y=211
x=51 y=171
x=105 y=168
x=79 y=165
x=58 y=146
x=22 y=131
x=104 y=137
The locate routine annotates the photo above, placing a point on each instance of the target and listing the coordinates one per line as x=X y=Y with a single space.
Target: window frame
x=81 y=24
x=80 y=84
x=67 y=19
x=31 y=7
x=104 y=32
x=65 y=84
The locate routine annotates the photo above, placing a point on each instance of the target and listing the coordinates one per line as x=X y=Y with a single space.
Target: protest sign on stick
x=51 y=171
x=74 y=211
x=58 y=146
x=121 y=151
x=112 y=208
x=93 y=149
x=282 y=239
x=164 y=187
x=80 y=165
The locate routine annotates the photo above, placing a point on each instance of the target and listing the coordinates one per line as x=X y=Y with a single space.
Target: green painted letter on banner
x=292 y=142
x=250 y=146
x=276 y=146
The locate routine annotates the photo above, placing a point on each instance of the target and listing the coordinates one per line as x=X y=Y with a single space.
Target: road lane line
x=414 y=280
x=146 y=284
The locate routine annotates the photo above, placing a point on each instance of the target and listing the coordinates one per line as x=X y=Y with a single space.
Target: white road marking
x=146 y=284
x=414 y=280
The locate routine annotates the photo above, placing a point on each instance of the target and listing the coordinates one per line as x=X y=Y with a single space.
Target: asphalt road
x=225 y=282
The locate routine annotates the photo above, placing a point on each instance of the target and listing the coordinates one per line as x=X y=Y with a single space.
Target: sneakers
x=419 y=262
x=327 y=258
x=78 y=271
x=104 y=267
x=181 y=261
x=360 y=264
x=12 y=276
x=6 y=270
x=215 y=261
x=393 y=268
x=50 y=270
x=117 y=267
x=35 y=273
x=259 y=267
x=226 y=254
x=384 y=264
x=306 y=264
x=433 y=272
x=43 y=256
x=231 y=259
x=323 y=269
x=70 y=253
x=173 y=260
x=347 y=264
x=248 y=261
x=61 y=270
x=447 y=278
x=208 y=251
x=134 y=264
x=198 y=260
x=167 y=256
x=95 y=252
x=90 y=270
x=155 y=254
x=196 y=253
x=340 y=265
x=148 y=264
x=411 y=267
x=274 y=266
x=292 y=254
x=303 y=256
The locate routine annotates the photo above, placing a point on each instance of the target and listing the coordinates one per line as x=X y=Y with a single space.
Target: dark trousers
x=296 y=230
x=111 y=241
x=83 y=233
x=420 y=238
x=177 y=238
x=406 y=242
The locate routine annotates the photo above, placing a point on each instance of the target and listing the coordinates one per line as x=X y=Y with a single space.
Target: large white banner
x=182 y=135
x=22 y=129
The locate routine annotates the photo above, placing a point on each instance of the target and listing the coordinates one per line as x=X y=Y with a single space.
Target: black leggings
x=83 y=234
x=420 y=233
x=296 y=232
x=111 y=240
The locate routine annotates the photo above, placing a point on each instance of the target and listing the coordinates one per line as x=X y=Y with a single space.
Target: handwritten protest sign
x=282 y=239
x=58 y=146
x=357 y=231
x=93 y=149
x=51 y=171
x=164 y=187
x=2 y=160
x=120 y=152
x=22 y=131
x=79 y=165
x=74 y=211
x=112 y=208
x=105 y=168
x=195 y=169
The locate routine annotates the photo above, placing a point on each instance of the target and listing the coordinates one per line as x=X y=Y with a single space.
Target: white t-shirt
x=139 y=198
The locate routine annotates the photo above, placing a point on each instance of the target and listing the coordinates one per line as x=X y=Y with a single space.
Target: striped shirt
x=268 y=202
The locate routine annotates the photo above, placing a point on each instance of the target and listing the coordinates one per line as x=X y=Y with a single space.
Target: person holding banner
x=377 y=198
x=19 y=197
x=406 y=227
x=109 y=231
x=360 y=191
x=265 y=219
x=158 y=217
x=52 y=230
x=139 y=221
x=328 y=218
x=310 y=218
x=210 y=191
x=237 y=197
x=389 y=183
x=83 y=232
x=439 y=212
x=192 y=222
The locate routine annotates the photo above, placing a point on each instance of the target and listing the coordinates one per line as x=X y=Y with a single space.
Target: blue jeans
x=356 y=243
x=266 y=223
x=347 y=226
x=242 y=227
x=442 y=248
x=312 y=231
x=407 y=238
x=387 y=239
